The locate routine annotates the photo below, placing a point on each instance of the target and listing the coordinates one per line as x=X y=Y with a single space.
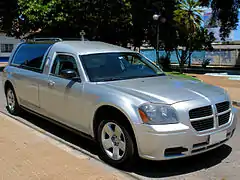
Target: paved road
x=222 y=163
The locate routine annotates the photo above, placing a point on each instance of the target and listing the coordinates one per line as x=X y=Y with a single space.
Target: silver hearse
x=119 y=98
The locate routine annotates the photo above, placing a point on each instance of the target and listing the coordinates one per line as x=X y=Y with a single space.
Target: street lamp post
x=158 y=18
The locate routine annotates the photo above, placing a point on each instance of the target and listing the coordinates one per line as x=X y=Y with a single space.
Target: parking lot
x=73 y=157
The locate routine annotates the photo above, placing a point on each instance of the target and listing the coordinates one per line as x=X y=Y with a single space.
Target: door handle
x=51 y=83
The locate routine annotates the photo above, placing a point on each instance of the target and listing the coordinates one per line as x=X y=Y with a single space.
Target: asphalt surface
x=222 y=163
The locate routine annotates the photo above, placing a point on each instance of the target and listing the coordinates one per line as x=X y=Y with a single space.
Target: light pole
x=82 y=34
x=158 y=18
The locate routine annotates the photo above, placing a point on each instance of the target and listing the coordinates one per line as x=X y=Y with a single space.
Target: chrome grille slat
x=200 y=112
x=203 y=125
x=223 y=106
x=224 y=118
x=202 y=118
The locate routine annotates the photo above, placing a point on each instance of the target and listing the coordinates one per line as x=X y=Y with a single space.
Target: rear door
x=29 y=62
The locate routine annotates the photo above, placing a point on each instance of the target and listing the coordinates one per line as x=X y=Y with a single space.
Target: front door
x=61 y=99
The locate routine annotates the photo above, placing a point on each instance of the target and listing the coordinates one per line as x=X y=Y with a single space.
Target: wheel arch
x=105 y=111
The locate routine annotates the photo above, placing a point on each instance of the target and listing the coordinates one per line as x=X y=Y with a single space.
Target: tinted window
x=64 y=62
x=30 y=55
x=118 y=66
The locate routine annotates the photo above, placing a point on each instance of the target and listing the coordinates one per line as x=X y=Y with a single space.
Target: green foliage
x=116 y=21
x=8 y=14
x=106 y=20
x=191 y=36
x=206 y=62
x=177 y=74
x=225 y=14
x=202 y=40
x=188 y=15
x=165 y=63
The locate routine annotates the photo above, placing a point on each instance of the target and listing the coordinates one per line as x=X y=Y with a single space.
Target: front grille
x=224 y=106
x=200 y=112
x=204 y=124
x=224 y=118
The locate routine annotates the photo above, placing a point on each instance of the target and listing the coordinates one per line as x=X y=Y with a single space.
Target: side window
x=30 y=56
x=63 y=62
x=135 y=60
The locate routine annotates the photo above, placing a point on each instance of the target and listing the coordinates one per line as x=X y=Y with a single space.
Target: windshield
x=118 y=66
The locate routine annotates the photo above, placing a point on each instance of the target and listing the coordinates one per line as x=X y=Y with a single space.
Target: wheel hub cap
x=10 y=100
x=113 y=141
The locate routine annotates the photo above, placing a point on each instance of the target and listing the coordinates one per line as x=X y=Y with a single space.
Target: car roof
x=89 y=47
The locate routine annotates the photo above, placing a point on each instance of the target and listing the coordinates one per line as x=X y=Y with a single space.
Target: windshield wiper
x=156 y=75
x=138 y=77
x=125 y=78
x=110 y=79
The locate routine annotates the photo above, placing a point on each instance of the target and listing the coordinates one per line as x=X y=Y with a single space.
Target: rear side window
x=30 y=56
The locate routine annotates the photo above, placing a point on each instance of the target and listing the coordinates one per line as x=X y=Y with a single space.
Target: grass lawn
x=177 y=74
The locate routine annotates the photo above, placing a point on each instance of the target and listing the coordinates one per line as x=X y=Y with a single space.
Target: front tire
x=12 y=103
x=116 y=144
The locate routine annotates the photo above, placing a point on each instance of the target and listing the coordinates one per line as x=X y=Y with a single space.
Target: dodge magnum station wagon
x=116 y=96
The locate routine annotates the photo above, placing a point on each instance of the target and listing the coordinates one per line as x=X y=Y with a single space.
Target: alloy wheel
x=113 y=141
x=11 y=102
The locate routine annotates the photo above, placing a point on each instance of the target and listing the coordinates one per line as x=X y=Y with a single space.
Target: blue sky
x=237 y=32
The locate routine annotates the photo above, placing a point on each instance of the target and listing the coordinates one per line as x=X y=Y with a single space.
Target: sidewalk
x=3 y=64
x=233 y=87
x=27 y=155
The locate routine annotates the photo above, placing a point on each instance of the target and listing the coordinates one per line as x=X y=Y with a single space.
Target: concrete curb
x=236 y=103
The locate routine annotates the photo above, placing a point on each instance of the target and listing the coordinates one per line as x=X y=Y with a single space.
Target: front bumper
x=162 y=142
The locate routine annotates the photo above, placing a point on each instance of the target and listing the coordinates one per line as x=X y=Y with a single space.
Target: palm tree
x=188 y=17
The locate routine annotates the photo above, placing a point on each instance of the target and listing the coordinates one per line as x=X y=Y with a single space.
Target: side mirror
x=68 y=74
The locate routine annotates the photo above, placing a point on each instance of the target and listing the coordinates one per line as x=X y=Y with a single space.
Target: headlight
x=158 y=114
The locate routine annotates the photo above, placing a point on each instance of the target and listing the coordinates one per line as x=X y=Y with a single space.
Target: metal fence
x=216 y=57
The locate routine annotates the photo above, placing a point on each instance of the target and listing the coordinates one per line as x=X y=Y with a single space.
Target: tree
x=188 y=19
x=65 y=13
x=201 y=40
x=8 y=15
x=106 y=20
x=167 y=31
x=225 y=12
x=140 y=20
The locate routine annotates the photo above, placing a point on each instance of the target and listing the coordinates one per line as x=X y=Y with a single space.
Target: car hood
x=166 y=89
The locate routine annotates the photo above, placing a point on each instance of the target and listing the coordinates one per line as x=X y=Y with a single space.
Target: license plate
x=218 y=137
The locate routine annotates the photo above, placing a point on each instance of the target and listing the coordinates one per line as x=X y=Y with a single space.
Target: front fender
x=123 y=104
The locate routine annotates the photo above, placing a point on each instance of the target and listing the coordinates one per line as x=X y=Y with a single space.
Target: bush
x=165 y=63
x=206 y=62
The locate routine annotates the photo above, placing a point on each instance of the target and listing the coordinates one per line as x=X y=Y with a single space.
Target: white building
x=6 y=46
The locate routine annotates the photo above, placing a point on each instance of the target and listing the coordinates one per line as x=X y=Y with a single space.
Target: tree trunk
x=183 y=59
x=190 y=48
x=189 y=59
x=181 y=67
x=157 y=57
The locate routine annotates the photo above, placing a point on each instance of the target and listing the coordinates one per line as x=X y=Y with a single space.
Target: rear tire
x=12 y=103
x=116 y=144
